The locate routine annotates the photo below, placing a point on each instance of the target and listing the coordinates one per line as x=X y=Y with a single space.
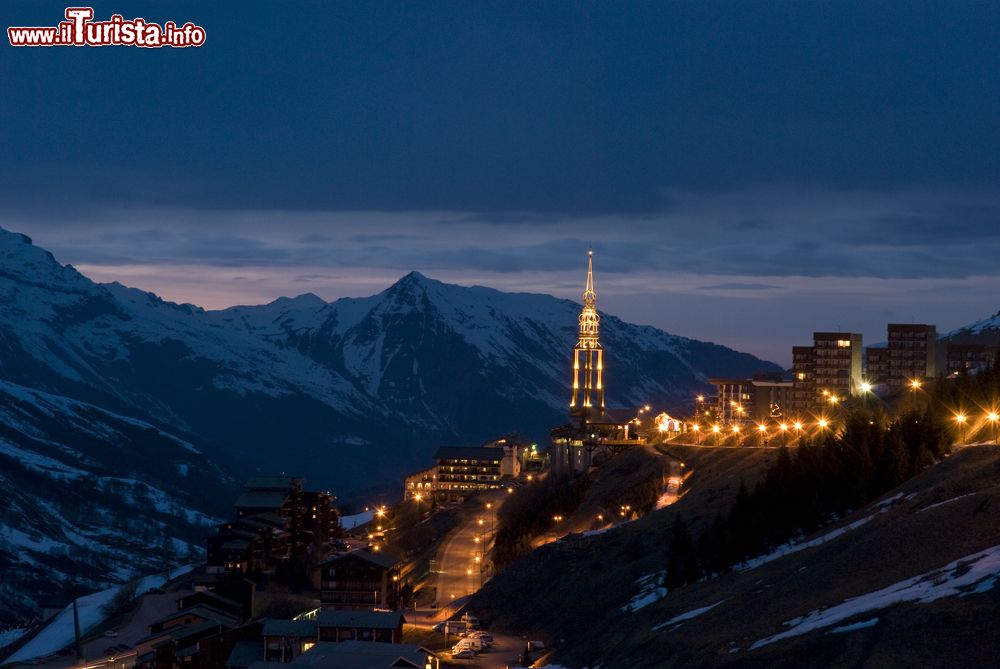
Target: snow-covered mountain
x=356 y=392
x=985 y=331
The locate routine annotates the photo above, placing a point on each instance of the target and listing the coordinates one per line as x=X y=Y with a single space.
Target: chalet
x=192 y=615
x=377 y=626
x=285 y=640
x=214 y=600
x=275 y=519
x=359 y=655
x=360 y=579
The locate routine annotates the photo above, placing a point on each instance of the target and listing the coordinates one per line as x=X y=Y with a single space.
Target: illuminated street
x=459 y=572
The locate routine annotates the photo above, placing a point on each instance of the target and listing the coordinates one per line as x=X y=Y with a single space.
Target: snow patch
x=789 y=548
x=853 y=627
x=59 y=633
x=974 y=573
x=684 y=617
x=650 y=591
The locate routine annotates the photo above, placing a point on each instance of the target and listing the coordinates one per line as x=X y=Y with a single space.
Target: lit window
x=843 y=343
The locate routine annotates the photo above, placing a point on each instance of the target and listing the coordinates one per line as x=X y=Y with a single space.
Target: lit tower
x=588 y=356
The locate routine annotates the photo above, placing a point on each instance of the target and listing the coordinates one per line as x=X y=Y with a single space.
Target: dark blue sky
x=789 y=165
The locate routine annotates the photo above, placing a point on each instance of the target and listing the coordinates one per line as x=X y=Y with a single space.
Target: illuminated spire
x=588 y=355
x=589 y=296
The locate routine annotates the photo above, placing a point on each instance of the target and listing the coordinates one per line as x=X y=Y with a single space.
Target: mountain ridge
x=420 y=362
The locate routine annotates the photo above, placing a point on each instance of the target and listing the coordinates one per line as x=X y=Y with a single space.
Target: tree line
x=808 y=487
x=529 y=511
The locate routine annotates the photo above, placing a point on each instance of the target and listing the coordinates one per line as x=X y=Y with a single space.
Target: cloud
x=740 y=286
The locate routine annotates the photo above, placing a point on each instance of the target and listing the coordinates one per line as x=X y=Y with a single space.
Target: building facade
x=837 y=360
x=912 y=354
x=803 y=398
x=463 y=471
x=969 y=358
x=760 y=399
x=877 y=365
x=361 y=580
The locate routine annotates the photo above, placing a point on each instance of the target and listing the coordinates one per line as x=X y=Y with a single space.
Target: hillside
x=553 y=592
x=861 y=593
x=94 y=498
x=357 y=391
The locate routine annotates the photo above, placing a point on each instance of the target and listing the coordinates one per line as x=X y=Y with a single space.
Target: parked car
x=464 y=654
x=484 y=636
x=473 y=644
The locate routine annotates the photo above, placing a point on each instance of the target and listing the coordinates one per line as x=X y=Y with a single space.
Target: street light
x=915 y=384
x=993 y=417
x=866 y=387
x=961 y=419
x=823 y=423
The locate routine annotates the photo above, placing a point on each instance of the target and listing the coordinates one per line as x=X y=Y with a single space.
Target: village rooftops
x=469 y=453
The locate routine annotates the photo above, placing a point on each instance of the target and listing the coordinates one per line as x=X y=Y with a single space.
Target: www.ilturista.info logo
x=79 y=29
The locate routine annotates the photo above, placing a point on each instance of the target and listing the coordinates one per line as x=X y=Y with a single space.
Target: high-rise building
x=912 y=351
x=876 y=365
x=837 y=360
x=803 y=384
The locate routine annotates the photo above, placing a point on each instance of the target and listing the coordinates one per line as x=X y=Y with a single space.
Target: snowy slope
x=91 y=497
x=987 y=329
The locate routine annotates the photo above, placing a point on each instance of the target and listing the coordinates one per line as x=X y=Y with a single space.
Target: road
x=459 y=572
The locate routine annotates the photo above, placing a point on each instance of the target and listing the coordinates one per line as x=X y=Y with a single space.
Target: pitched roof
x=245 y=653
x=381 y=559
x=360 y=619
x=296 y=628
x=469 y=453
x=362 y=655
x=202 y=611
x=216 y=598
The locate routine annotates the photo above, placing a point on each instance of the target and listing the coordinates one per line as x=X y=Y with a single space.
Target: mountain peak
x=303 y=301
x=414 y=278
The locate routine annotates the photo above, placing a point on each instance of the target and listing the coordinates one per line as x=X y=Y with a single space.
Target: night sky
x=747 y=172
